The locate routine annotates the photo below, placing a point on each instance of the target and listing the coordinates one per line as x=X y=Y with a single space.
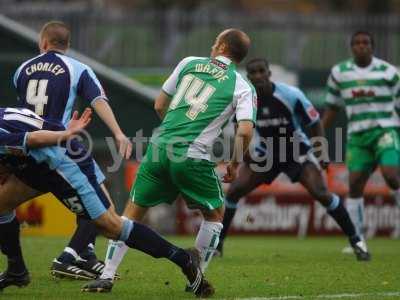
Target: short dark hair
x=256 y=60
x=57 y=33
x=237 y=42
x=363 y=32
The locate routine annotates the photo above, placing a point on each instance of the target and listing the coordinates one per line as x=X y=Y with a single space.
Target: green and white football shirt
x=370 y=95
x=205 y=93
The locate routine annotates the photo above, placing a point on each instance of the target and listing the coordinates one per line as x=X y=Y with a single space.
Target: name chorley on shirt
x=56 y=69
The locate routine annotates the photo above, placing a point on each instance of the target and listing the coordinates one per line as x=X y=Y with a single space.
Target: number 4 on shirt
x=36 y=94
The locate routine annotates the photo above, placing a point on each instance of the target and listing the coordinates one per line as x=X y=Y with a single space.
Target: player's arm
x=246 y=112
x=333 y=100
x=395 y=81
x=309 y=117
x=106 y=114
x=44 y=138
x=317 y=135
x=329 y=116
x=90 y=89
x=161 y=104
x=243 y=136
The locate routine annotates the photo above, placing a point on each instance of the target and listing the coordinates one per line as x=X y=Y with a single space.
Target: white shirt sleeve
x=169 y=86
x=245 y=99
x=333 y=95
x=395 y=80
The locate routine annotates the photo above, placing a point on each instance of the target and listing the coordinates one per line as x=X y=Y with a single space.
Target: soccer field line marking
x=327 y=296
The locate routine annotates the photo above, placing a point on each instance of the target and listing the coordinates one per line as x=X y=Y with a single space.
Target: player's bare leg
x=392 y=178
x=13 y=193
x=246 y=181
x=116 y=249
x=311 y=178
x=135 y=212
x=140 y=237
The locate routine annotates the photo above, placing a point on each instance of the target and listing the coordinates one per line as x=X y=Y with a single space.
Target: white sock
x=91 y=246
x=207 y=241
x=115 y=253
x=355 y=207
x=72 y=252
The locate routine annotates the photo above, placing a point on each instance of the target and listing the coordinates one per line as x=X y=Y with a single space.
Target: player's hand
x=322 y=157
x=124 y=145
x=324 y=164
x=231 y=170
x=79 y=123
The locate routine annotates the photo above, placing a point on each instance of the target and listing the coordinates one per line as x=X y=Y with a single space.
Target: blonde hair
x=57 y=34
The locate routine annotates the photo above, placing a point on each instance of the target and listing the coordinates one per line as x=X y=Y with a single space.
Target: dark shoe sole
x=363 y=257
x=95 y=290
x=63 y=275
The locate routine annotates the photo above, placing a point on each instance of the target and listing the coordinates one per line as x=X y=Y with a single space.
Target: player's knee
x=321 y=194
x=109 y=225
x=356 y=190
x=215 y=215
x=392 y=178
x=234 y=193
x=108 y=232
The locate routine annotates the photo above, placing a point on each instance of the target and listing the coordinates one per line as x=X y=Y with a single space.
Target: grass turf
x=251 y=267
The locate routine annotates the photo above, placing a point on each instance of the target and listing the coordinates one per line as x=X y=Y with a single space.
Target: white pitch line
x=327 y=296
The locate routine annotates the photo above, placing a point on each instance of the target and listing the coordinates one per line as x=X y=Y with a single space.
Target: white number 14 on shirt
x=195 y=93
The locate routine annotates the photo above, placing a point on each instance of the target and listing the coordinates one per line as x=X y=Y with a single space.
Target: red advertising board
x=286 y=208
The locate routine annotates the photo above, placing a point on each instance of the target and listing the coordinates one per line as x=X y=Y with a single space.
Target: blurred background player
x=196 y=101
x=282 y=109
x=35 y=151
x=49 y=84
x=369 y=90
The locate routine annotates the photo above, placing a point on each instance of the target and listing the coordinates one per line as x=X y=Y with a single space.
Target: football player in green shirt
x=368 y=88
x=195 y=103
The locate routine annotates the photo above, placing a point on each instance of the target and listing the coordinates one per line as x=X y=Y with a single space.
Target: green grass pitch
x=253 y=267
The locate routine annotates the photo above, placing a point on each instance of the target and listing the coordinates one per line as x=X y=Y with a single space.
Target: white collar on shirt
x=223 y=59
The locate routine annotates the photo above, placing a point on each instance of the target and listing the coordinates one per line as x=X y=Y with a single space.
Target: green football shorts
x=161 y=179
x=367 y=149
